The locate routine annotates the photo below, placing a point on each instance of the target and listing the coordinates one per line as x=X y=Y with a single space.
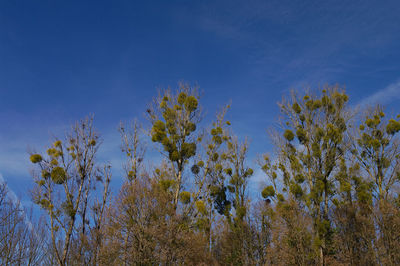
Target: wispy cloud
x=11 y=194
x=14 y=158
x=286 y=47
x=17 y=202
x=384 y=96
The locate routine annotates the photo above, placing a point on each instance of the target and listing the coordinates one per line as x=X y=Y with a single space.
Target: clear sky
x=61 y=60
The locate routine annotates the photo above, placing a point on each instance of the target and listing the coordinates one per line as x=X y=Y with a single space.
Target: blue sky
x=61 y=60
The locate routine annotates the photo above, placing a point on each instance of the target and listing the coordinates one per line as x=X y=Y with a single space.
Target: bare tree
x=65 y=182
x=22 y=241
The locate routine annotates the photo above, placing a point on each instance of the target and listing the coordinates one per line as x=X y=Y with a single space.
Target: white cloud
x=14 y=161
x=11 y=194
x=384 y=96
x=17 y=202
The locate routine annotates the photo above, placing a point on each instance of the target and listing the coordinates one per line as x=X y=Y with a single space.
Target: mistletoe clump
x=58 y=175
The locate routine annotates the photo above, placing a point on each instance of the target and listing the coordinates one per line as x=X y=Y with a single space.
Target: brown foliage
x=331 y=199
x=144 y=228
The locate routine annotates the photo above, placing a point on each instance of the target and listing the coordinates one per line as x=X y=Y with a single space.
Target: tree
x=133 y=149
x=309 y=152
x=353 y=215
x=149 y=224
x=332 y=194
x=22 y=240
x=174 y=119
x=292 y=236
x=65 y=180
x=377 y=149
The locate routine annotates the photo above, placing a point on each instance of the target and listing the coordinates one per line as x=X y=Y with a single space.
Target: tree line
x=332 y=195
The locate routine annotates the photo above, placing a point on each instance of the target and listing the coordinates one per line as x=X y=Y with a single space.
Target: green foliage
x=58 y=175
x=131 y=175
x=158 y=131
x=301 y=135
x=288 y=135
x=44 y=203
x=188 y=150
x=176 y=124
x=203 y=224
x=296 y=108
x=195 y=169
x=319 y=122
x=299 y=178
x=52 y=152
x=228 y=171
x=191 y=103
x=201 y=207
x=36 y=158
x=57 y=144
x=41 y=182
x=68 y=208
x=221 y=202
x=345 y=186
x=296 y=190
x=185 y=197
x=249 y=172
x=268 y=191
x=165 y=184
x=393 y=127
x=323 y=226
x=45 y=174
x=376 y=149
x=181 y=98
x=241 y=212
x=320 y=206
x=215 y=157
